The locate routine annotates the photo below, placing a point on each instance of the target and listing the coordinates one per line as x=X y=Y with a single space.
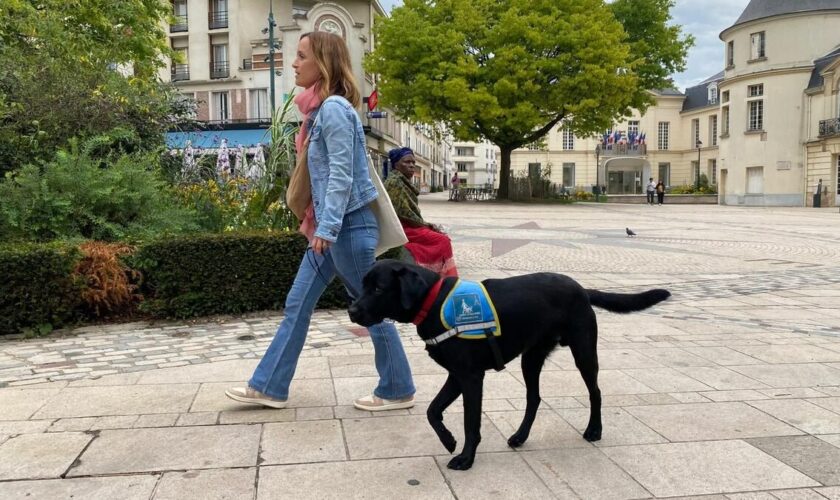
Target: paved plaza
x=731 y=389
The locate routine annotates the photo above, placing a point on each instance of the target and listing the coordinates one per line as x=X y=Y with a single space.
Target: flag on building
x=373 y=100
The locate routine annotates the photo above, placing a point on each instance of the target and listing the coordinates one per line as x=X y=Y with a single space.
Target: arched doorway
x=627 y=175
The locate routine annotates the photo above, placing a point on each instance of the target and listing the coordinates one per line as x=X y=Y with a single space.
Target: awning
x=212 y=139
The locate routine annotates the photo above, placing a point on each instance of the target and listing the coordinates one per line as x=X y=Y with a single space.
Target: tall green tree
x=61 y=75
x=510 y=70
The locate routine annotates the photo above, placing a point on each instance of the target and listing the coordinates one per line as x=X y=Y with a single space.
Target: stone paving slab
x=218 y=484
x=679 y=469
x=119 y=400
x=169 y=448
x=88 y=488
x=398 y=478
x=37 y=456
x=808 y=454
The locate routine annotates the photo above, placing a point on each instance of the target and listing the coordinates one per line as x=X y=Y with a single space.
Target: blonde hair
x=333 y=60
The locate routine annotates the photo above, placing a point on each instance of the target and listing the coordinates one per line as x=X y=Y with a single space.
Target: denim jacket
x=338 y=167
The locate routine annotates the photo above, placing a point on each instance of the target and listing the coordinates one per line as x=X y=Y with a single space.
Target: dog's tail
x=626 y=302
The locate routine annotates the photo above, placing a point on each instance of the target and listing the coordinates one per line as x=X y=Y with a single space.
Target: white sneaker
x=374 y=403
x=252 y=396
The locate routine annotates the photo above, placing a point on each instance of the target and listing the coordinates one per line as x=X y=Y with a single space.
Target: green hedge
x=37 y=289
x=181 y=277
x=230 y=273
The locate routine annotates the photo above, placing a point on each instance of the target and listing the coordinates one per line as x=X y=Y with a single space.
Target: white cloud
x=704 y=19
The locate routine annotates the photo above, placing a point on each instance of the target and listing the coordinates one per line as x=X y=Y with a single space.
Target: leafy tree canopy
x=59 y=77
x=510 y=70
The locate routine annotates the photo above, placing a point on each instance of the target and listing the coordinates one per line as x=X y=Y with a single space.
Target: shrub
x=229 y=273
x=74 y=197
x=109 y=283
x=38 y=289
x=583 y=196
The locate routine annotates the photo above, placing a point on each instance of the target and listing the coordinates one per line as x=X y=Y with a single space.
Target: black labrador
x=536 y=312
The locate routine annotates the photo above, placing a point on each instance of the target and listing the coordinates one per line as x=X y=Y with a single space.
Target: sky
x=704 y=19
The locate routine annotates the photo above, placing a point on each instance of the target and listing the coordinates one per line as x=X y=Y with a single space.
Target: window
x=724 y=96
x=695 y=132
x=221 y=109
x=407 y=140
x=219 y=65
x=755 y=180
x=724 y=126
x=568 y=140
x=712 y=91
x=665 y=173
x=179 y=11
x=462 y=166
x=568 y=174
x=218 y=14
x=712 y=172
x=633 y=128
x=757 y=45
x=756 y=115
x=259 y=103
x=534 y=169
x=664 y=129
x=755 y=90
x=713 y=130
x=695 y=170
x=730 y=54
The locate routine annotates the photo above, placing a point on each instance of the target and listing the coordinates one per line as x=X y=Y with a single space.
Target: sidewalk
x=729 y=389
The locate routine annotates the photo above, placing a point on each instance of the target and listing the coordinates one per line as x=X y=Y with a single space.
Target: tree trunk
x=504 y=173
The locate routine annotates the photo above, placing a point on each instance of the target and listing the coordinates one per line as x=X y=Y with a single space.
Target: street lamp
x=697 y=174
x=271 y=25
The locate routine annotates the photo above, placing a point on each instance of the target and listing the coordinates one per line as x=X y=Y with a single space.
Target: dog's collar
x=427 y=303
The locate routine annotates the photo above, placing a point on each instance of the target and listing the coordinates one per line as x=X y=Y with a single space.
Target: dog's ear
x=409 y=281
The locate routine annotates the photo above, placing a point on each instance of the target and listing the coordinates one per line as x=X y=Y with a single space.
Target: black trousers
x=650 y=197
x=660 y=197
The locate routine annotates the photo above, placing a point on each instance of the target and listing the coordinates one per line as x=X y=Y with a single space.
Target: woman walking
x=341 y=229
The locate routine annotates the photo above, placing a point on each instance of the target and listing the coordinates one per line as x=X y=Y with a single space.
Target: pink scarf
x=307 y=102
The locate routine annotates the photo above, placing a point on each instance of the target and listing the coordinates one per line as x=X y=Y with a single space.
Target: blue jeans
x=349 y=258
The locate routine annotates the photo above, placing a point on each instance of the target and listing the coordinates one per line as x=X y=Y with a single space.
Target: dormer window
x=712 y=91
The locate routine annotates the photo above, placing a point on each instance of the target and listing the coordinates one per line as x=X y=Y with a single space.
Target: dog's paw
x=461 y=462
x=448 y=441
x=592 y=433
x=517 y=440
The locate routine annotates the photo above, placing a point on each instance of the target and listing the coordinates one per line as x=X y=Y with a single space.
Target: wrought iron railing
x=217 y=20
x=829 y=127
x=624 y=149
x=180 y=72
x=219 y=69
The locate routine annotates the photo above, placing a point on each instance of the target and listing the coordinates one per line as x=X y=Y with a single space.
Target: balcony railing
x=179 y=25
x=180 y=72
x=829 y=127
x=219 y=69
x=217 y=20
x=624 y=149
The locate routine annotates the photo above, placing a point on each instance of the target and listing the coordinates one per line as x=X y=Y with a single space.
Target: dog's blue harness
x=469 y=313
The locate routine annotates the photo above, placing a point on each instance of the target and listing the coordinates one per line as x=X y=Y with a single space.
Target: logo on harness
x=468 y=311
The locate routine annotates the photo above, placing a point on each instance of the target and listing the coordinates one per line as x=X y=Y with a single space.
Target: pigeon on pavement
x=629 y=232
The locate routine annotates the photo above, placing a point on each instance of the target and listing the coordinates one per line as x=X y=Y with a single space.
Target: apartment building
x=476 y=163
x=765 y=130
x=224 y=60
